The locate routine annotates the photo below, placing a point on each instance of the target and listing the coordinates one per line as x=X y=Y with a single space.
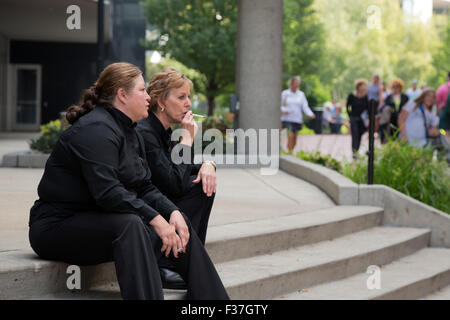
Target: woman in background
x=357 y=103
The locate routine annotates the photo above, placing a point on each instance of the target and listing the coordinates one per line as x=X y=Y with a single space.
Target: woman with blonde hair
x=357 y=103
x=416 y=121
x=97 y=203
x=190 y=186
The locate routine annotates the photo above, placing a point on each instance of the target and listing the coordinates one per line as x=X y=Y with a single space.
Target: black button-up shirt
x=172 y=179
x=99 y=164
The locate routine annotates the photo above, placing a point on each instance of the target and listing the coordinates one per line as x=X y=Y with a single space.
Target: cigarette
x=198 y=115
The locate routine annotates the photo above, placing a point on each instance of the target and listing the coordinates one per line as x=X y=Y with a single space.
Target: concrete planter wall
x=399 y=209
x=25 y=159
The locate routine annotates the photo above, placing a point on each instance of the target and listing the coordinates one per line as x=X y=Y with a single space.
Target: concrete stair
x=270 y=258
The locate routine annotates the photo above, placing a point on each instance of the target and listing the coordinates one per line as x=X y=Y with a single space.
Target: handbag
x=439 y=143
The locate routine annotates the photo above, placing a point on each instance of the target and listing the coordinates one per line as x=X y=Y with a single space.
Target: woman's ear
x=122 y=95
x=161 y=105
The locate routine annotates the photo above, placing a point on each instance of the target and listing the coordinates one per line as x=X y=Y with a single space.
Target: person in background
x=416 y=121
x=385 y=91
x=293 y=105
x=442 y=94
x=414 y=91
x=375 y=90
x=191 y=187
x=327 y=116
x=392 y=108
x=357 y=103
x=336 y=120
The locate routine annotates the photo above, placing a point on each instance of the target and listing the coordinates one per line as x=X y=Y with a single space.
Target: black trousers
x=197 y=207
x=87 y=238
x=357 y=127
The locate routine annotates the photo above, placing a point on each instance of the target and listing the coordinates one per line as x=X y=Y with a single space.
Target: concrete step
x=24 y=275
x=272 y=275
x=410 y=277
x=111 y=292
x=440 y=294
x=247 y=239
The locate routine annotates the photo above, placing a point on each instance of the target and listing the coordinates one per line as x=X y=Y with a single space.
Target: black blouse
x=172 y=179
x=356 y=106
x=98 y=164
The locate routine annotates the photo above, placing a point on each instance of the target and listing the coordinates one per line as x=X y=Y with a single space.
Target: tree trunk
x=211 y=105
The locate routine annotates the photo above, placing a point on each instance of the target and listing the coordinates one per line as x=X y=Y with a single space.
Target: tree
x=304 y=49
x=399 y=46
x=441 y=60
x=201 y=34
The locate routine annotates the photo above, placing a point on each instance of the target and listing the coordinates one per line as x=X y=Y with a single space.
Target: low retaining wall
x=25 y=159
x=399 y=209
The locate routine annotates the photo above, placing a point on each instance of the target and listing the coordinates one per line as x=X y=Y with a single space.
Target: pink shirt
x=441 y=94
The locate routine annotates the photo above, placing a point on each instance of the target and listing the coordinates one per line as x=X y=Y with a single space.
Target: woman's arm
x=401 y=124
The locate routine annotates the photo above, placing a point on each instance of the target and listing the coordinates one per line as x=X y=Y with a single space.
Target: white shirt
x=415 y=126
x=412 y=94
x=295 y=103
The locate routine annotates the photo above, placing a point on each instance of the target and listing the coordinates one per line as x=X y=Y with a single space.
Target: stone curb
x=399 y=209
x=25 y=159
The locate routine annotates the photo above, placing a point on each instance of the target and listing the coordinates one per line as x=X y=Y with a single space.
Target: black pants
x=357 y=127
x=87 y=238
x=197 y=207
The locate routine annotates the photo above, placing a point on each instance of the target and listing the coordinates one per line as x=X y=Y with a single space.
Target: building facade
x=48 y=54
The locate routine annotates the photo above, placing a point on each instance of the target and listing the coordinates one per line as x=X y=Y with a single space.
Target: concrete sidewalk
x=339 y=146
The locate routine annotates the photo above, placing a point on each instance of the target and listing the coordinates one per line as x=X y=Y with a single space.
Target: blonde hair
x=161 y=83
x=360 y=82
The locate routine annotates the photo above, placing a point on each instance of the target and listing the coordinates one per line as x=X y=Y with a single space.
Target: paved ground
x=339 y=146
x=14 y=141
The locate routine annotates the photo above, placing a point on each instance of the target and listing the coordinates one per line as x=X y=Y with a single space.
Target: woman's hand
x=190 y=129
x=177 y=220
x=433 y=132
x=207 y=174
x=171 y=241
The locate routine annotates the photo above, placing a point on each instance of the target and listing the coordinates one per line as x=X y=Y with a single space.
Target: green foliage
x=401 y=47
x=199 y=34
x=304 y=48
x=441 y=60
x=198 y=79
x=50 y=133
x=409 y=170
x=324 y=160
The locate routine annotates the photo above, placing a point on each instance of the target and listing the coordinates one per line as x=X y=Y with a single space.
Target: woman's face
x=396 y=89
x=295 y=84
x=362 y=89
x=137 y=100
x=429 y=99
x=177 y=103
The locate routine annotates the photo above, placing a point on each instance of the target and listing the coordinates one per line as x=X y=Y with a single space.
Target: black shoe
x=171 y=280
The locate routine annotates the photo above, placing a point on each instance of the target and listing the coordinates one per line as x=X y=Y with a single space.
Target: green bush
x=50 y=133
x=408 y=169
x=324 y=160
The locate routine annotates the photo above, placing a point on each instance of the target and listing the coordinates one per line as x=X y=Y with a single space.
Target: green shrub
x=50 y=133
x=324 y=160
x=408 y=169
